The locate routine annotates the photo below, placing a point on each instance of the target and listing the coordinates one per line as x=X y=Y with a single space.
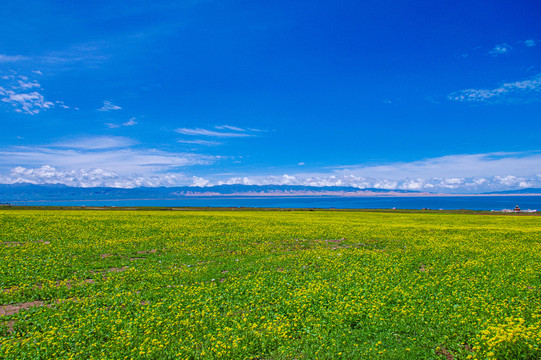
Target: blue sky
x=422 y=95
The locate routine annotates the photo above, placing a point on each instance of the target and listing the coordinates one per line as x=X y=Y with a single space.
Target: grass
x=269 y=285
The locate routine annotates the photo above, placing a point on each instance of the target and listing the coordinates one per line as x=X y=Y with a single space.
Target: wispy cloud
x=227 y=131
x=97 y=161
x=120 y=165
x=452 y=166
x=448 y=174
x=62 y=105
x=525 y=91
x=28 y=84
x=530 y=43
x=12 y=58
x=130 y=122
x=212 y=133
x=109 y=106
x=96 y=142
x=122 y=161
x=200 y=142
x=229 y=127
x=89 y=53
x=23 y=94
x=500 y=49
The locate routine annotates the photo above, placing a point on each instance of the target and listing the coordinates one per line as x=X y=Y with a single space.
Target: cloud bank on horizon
x=442 y=100
x=120 y=162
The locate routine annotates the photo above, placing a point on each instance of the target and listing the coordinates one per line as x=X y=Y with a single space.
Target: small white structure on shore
x=516 y=210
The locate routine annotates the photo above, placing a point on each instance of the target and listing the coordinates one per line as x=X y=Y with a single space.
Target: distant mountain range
x=521 y=191
x=52 y=192
x=30 y=192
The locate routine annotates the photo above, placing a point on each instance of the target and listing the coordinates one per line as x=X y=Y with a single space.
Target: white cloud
x=454 y=174
x=204 y=132
x=245 y=181
x=434 y=185
x=130 y=122
x=24 y=94
x=525 y=91
x=29 y=84
x=500 y=49
x=233 y=132
x=109 y=154
x=413 y=184
x=90 y=54
x=12 y=58
x=530 y=43
x=229 y=127
x=114 y=161
x=62 y=105
x=456 y=166
x=200 y=142
x=198 y=181
x=29 y=103
x=96 y=142
x=89 y=178
x=108 y=106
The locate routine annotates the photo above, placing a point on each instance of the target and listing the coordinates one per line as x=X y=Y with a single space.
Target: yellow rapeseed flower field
x=268 y=285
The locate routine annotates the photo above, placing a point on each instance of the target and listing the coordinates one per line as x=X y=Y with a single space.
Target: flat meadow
x=97 y=284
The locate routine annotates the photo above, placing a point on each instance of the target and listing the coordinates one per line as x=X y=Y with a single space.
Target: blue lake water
x=430 y=202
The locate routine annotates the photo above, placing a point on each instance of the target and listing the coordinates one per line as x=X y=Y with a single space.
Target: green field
x=268 y=285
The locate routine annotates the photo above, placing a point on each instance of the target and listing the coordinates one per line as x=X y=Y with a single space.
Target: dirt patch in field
x=9 y=325
x=20 y=243
x=11 y=243
x=335 y=240
x=60 y=283
x=113 y=269
x=446 y=353
x=15 y=308
x=153 y=251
